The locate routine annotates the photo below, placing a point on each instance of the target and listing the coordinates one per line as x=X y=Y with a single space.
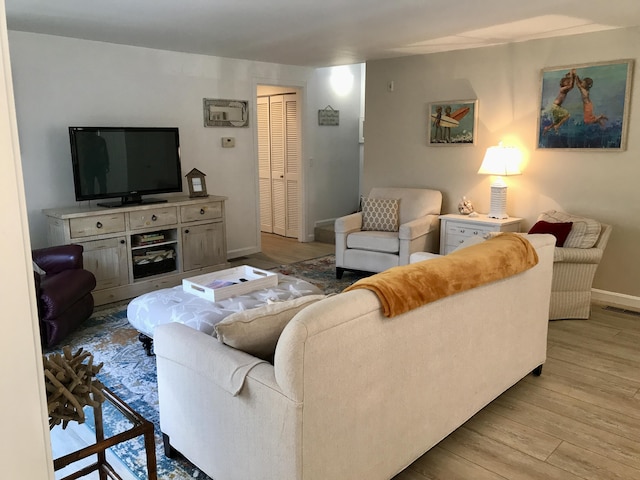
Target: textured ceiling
x=317 y=33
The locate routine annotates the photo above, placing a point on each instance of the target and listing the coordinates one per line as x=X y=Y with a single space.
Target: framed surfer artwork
x=585 y=107
x=452 y=123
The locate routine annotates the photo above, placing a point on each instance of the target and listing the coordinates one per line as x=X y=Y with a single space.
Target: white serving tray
x=227 y=283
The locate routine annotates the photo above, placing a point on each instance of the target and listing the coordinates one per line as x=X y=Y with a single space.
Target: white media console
x=135 y=249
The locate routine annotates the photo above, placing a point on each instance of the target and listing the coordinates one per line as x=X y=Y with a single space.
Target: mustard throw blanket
x=404 y=288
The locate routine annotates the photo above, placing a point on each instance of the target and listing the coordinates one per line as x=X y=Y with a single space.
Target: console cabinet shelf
x=139 y=248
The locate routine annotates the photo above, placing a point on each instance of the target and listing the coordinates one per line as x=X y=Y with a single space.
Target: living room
x=56 y=78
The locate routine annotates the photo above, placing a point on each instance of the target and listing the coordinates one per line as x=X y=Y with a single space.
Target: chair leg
x=339 y=272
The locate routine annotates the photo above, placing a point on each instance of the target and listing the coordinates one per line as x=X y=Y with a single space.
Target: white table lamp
x=500 y=161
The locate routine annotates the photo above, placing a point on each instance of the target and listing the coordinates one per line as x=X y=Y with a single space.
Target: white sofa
x=351 y=394
x=376 y=251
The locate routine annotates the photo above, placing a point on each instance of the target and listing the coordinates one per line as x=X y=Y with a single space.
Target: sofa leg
x=339 y=272
x=147 y=343
x=537 y=371
x=169 y=451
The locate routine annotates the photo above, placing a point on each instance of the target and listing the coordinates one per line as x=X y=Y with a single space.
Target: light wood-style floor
x=277 y=250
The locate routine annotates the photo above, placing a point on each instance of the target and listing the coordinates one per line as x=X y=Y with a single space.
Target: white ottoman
x=175 y=305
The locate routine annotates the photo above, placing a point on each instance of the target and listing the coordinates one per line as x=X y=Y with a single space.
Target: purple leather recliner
x=63 y=293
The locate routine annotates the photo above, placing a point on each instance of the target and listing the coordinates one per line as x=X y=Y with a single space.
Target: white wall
x=24 y=450
x=506 y=82
x=61 y=82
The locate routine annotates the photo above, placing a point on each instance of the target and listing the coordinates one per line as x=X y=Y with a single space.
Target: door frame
x=301 y=87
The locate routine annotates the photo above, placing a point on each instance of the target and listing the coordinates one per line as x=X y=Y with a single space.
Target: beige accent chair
x=376 y=251
x=574 y=265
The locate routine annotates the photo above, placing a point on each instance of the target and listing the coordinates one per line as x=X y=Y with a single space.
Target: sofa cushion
x=584 y=231
x=560 y=230
x=256 y=331
x=386 y=242
x=380 y=214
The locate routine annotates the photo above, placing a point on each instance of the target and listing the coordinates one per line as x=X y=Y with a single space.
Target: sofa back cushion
x=414 y=202
x=256 y=331
x=584 y=231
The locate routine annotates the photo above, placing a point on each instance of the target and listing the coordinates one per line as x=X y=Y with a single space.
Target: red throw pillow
x=560 y=230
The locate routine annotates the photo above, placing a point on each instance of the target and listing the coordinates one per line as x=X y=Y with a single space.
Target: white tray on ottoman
x=231 y=282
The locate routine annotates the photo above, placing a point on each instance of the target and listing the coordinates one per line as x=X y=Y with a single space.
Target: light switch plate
x=228 y=142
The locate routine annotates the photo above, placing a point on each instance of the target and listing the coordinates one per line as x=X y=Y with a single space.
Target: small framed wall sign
x=329 y=116
x=197 y=185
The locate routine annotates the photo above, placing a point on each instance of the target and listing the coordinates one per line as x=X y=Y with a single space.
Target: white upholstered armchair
x=575 y=261
x=393 y=224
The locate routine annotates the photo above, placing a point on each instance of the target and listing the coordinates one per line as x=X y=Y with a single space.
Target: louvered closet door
x=292 y=165
x=278 y=190
x=264 y=165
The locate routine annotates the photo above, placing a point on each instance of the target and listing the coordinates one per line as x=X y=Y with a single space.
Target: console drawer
x=201 y=211
x=156 y=217
x=96 y=225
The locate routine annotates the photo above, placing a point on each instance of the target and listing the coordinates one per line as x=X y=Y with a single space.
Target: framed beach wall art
x=452 y=123
x=585 y=107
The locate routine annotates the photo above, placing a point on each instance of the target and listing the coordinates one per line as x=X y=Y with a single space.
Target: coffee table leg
x=147 y=343
x=102 y=456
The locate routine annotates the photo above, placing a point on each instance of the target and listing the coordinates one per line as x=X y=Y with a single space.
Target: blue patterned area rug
x=131 y=374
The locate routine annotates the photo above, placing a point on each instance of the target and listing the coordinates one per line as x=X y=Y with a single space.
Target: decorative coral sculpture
x=71 y=385
x=465 y=207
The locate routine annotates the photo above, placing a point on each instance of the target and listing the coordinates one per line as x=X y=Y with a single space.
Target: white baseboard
x=241 y=252
x=615 y=299
x=322 y=223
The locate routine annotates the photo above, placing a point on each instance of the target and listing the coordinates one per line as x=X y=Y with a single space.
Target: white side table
x=456 y=228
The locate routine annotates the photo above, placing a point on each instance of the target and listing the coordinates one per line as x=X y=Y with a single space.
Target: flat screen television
x=125 y=162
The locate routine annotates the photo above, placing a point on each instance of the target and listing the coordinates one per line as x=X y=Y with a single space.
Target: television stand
x=139 y=248
x=127 y=201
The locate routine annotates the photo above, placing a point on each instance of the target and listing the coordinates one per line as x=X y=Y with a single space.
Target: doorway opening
x=279 y=136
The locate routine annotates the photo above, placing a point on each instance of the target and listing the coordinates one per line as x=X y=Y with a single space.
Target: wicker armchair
x=573 y=273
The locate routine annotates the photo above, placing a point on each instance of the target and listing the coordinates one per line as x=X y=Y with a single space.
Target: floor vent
x=622 y=310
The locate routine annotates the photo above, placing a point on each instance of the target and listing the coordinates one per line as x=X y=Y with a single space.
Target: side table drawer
x=156 y=217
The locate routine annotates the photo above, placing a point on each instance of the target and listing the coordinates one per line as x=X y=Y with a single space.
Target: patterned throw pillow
x=584 y=231
x=380 y=214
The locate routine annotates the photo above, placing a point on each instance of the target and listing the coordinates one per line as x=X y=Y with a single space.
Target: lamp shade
x=501 y=161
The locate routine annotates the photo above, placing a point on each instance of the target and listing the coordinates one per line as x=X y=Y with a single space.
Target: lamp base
x=498 y=207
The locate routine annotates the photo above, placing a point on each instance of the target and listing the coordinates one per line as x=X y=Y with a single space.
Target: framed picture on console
x=452 y=123
x=585 y=107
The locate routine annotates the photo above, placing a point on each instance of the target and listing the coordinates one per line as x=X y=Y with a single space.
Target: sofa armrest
x=577 y=255
x=418 y=227
x=349 y=223
x=201 y=353
x=59 y=258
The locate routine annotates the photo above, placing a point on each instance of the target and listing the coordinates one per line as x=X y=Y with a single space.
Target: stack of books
x=148 y=238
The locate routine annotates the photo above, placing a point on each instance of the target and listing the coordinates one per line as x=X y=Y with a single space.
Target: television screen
x=125 y=162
